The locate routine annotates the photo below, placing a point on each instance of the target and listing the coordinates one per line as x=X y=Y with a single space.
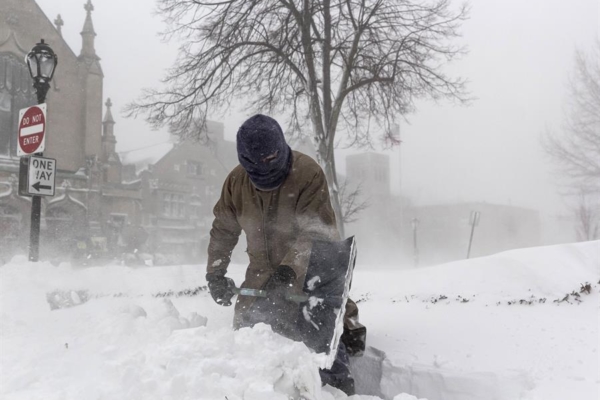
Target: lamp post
x=474 y=222
x=415 y=224
x=41 y=61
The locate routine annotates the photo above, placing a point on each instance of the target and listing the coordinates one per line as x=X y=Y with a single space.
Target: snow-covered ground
x=499 y=327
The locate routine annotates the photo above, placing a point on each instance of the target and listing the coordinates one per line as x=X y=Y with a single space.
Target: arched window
x=11 y=232
x=16 y=92
x=10 y=223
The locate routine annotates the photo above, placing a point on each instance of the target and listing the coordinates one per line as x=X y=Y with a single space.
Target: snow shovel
x=320 y=322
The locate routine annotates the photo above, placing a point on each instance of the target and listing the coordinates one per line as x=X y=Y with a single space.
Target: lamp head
x=41 y=62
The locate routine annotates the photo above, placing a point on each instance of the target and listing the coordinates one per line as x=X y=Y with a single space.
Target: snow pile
x=499 y=327
x=136 y=348
x=453 y=332
x=546 y=272
x=106 y=280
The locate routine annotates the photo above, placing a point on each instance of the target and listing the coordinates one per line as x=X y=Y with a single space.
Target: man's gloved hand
x=221 y=288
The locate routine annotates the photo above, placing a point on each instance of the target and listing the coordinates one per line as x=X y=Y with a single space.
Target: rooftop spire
x=109 y=140
x=88 y=34
x=108 y=118
x=59 y=24
x=88 y=26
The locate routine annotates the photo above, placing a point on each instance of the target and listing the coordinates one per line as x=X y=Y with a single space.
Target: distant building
x=372 y=172
x=92 y=206
x=386 y=230
x=377 y=227
x=180 y=183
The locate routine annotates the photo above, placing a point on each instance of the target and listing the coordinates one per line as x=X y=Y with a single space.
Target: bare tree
x=351 y=66
x=576 y=147
x=587 y=213
x=352 y=201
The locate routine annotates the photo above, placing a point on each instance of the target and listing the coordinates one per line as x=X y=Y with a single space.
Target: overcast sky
x=519 y=61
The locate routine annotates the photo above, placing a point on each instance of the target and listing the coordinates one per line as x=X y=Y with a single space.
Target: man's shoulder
x=305 y=163
x=235 y=176
x=237 y=172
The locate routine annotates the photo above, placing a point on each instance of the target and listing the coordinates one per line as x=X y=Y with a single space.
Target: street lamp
x=41 y=62
x=474 y=222
x=415 y=224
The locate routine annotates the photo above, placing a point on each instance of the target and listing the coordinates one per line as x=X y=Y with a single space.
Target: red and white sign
x=32 y=129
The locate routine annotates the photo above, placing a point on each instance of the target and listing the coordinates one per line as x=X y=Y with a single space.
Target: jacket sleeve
x=316 y=221
x=225 y=232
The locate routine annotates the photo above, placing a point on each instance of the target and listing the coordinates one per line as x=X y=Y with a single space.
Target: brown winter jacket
x=279 y=224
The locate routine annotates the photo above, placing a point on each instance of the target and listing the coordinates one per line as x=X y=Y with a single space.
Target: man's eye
x=248 y=160
x=268 y=159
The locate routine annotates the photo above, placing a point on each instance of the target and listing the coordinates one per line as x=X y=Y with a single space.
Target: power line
x=142 y=148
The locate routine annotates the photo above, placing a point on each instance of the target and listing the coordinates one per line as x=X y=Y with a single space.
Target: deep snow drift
x=499 y=327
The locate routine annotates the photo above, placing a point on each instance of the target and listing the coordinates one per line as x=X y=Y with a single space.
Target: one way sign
x=40 y=173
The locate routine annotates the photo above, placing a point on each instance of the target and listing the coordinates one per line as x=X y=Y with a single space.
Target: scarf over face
x=263 y=152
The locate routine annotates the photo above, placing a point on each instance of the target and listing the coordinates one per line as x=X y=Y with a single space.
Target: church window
x=16 y=92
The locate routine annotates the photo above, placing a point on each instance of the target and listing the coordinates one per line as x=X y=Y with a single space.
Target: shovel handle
x=250 y=292
x=296 y=298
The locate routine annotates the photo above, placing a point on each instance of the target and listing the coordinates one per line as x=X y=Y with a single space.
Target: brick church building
x=91 y=201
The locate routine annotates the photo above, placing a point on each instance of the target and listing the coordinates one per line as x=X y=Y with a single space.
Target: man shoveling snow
x=280 y=199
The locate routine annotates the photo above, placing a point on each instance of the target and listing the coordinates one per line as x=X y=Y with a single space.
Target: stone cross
x=59 y=24
x=89 y=7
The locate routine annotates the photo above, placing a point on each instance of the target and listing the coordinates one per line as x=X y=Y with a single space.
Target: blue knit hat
x=258 y=140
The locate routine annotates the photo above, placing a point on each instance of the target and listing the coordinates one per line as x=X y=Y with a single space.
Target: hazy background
x=521 y=54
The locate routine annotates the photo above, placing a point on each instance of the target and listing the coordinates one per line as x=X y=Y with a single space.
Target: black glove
x=221 y=288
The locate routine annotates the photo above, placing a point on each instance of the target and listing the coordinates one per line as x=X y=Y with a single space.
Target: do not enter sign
x=32 y=129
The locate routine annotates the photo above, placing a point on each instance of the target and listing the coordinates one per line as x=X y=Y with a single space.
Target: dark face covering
x=263 y=152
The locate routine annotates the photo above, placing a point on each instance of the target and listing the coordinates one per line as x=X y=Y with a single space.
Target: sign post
x=32 y=140
x=41 y=61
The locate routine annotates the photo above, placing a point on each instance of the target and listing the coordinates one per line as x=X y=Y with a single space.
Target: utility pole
x=398 y=136
x=474 y=222
x=415 y=225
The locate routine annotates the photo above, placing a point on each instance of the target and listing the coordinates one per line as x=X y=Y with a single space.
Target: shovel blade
x=327 y=284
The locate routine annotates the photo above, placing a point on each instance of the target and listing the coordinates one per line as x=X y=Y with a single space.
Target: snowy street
x=499 y=327
x=404 y=196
